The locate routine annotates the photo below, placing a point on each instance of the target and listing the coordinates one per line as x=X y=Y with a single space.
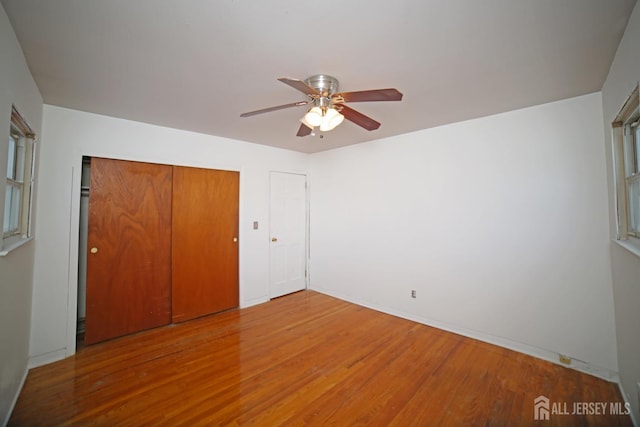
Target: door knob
x=274 y=239
x=235 y=240
x=94 y=250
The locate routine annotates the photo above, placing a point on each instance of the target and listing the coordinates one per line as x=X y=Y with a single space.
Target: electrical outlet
x=413 y=293
x=565 y=359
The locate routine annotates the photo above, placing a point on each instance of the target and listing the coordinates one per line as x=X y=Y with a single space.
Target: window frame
x=626 y=152
x=21 y=179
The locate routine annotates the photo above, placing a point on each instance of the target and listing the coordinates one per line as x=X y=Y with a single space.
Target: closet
x=162 y=246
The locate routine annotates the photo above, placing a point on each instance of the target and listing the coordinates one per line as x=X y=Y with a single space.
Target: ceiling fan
x=327 y=104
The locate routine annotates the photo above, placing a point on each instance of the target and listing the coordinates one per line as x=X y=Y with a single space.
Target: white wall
x=623 y=77
x=68 y=135
x=16 y=269
x=500 y=224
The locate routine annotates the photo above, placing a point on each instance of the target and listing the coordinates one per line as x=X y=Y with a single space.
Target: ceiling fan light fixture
x=303 y=120
x=331 y=120
x=313 y=117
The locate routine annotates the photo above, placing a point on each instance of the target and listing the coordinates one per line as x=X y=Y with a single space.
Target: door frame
x=307 y=251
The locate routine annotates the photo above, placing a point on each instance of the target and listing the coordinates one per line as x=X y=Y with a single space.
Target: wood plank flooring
x=303 y=359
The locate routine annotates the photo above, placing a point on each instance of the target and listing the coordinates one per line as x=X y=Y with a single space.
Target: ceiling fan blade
x=358 y=118
x=279 y=107
x=299 y=85
x=390 y=94
x=304 y=130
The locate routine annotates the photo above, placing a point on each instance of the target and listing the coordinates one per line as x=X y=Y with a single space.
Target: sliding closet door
x=205 y=242
x=129 y=248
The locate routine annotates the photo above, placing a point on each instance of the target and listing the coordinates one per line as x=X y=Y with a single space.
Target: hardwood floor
x=303 y=359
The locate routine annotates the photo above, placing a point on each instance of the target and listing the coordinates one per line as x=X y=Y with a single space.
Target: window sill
x=14 y=245
x=632 y=245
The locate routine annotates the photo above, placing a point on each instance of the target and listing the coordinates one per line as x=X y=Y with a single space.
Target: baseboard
x=254 y=301
x=15 y=398
x=540 y=353
x=43 y=359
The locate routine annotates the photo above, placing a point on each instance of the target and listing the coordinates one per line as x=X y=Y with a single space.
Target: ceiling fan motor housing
x=326 y=85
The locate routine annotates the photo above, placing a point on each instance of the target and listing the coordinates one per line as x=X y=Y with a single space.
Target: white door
x=288 y=233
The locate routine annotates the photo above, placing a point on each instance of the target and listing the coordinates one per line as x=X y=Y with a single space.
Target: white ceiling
x=199 y=64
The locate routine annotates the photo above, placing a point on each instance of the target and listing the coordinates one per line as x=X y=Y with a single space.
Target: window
x=17 y=200
x=626 y=140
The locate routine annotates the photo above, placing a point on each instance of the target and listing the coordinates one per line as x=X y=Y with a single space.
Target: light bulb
x=303 y=120
x=314 y=117
x=331 y=119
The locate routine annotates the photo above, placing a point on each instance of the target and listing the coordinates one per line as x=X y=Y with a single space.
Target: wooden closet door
x=205 y=242
x=129 y=248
